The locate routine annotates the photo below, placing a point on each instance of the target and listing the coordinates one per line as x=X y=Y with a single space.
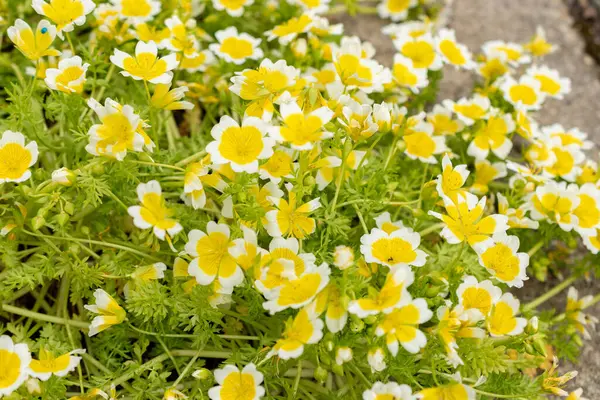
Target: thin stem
x=44 y=317
x=298 y=376
x=148 y=93
x=499 y=396
x=361 y=218
x=390 y=153
x=187 y=335
x=536 y=247
x=340 y=179
x=191 y=158
x=187 y=369
x=431 y=228
x=157 y=165
x=97 y=242
x=70 y=42
x=549 y=294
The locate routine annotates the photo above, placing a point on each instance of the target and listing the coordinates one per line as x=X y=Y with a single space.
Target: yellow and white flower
x=147 y=32
x=33 y=45
x=313 y=7
x=526 y=93
x=69 y=77
x=15 y=360
x=302 y=130
x=452 y=52
x=458 y=391
x=235 y=8
x=64 y=13
x=357 y=119
x=556 y=202
x=146 y=65
x=392 y=295
x=212 y=256
x=402 y=326
x=396 y=10
x=576 y=395
x=500 y=257
x=153 y=212
x=503 y=320
x=443 y=123
x=493 y=136
x=241 y=146
x=422 y=145
x=493 y=66
x=331 y=302
x=290 y=29
x=515 y=54
x=282 y=262
x=421 y=50
x=568 y=137
x=396 y=249
x=16 y=157
x=406 y=75
x=588 y=210
x=170 y=99
x=237 y=385
x=305 y=328
x=64 y=176
x=181 y=38
x=516 y=217
x=471 y=110
x=263 y=86
x=389 y=391
x=465 y=221
x=486 y=172
x=356 y=69
x=110 y=312
x=574 y=311
x=538 y=46
x=291 y=219
x=297 y=290
x=246 y=251
x=456 y=322
x=449 y=184
x=477 y=295
x=236 y=47
x=48 y=365
x=552 y=84
x=567 y=161
x=137 y=11
x=280 y=165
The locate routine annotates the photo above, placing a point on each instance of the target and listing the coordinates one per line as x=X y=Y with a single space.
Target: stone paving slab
x=477 y=21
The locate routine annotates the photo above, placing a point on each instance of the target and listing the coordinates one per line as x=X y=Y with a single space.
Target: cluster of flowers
x=308 y=108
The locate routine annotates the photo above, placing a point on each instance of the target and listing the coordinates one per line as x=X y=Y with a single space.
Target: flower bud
x=343 y=355
x=37 y=222
x=337 y=369
x=202 y=374
x=69 y=208
x=62 y=218
x=321 y=374
x=309 y=181
x=376 y=359
x=343 y=257
x=63 y=176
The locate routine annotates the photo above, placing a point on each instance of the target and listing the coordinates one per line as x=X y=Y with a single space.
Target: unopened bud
x=202 y=374
x=37 y=222
x=63 y=176
x=321 y=374
x=62 y=218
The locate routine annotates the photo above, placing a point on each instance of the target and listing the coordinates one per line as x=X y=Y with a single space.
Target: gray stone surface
x=477 y=21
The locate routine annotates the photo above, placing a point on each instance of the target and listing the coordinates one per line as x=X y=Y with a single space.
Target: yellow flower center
x=135 y=8
x=452 y=52
x=524 y=94
x=145 y=66
x=420 y=144
x=11 y=368
x=241 y=145
x=237 y=48
x=397 y=6
x=502 y=260
x=14 y=161
x=63 y=12
x=238 y=386
x=393 y=251
x=404 y=76
x=420 y=52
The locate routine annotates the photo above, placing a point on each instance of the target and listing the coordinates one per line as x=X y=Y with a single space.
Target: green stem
x=361 y=218
x=187 y=335
x=340 y=179
x=390 y=153
x=536 y=247
x=44 y=317
x=157 y=165
x=70 y=43
x=191 y=158
x=549 y=294
x=431 y=228
x=96 y=242
x=298 y=377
